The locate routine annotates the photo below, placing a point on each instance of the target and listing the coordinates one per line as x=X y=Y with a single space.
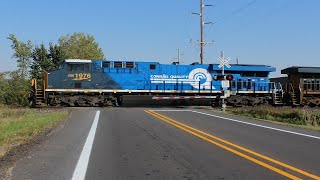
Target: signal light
x=223 y=77
x=229 y=77
x=219 y=77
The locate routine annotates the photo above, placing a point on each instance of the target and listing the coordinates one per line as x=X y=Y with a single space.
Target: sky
x=279 y=33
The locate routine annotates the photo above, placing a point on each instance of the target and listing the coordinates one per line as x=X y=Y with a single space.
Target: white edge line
x=252 y=124
x=262 y=126
x=81 y=168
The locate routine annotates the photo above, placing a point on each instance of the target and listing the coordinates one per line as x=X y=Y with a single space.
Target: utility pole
x=201 y=32
x=178 y=56
x=202 y=43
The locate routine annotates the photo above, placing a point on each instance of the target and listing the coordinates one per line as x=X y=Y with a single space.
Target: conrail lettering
x=164 y=76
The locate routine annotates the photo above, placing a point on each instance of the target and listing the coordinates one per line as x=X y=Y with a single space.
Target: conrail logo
x=197 y=76
x=200 y=75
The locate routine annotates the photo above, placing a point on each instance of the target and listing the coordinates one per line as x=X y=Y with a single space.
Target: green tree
x=55 y=53
x=41 y=61
x=80 y=46
x=23 y=53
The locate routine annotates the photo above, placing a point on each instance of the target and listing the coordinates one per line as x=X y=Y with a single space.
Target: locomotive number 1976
x=80 y=76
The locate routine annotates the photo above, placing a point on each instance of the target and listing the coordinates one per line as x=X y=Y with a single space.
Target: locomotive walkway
x=167 y=143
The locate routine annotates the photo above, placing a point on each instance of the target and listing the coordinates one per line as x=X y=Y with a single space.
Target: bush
x=14 y=90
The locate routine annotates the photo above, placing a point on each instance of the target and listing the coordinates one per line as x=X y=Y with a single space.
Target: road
x=167 y=143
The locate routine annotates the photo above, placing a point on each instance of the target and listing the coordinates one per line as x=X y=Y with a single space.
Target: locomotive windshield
x=78 y=67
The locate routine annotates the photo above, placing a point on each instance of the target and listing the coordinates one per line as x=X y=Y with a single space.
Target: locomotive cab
x=303 y=85
x=72 y=74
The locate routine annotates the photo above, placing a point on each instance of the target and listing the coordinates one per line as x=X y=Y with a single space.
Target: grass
x=285 y=115
x=19 y=125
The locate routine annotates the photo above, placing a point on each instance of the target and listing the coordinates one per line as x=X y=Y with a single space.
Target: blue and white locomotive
x=104 y=83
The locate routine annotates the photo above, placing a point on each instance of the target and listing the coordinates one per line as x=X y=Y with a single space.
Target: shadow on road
x=147 y=101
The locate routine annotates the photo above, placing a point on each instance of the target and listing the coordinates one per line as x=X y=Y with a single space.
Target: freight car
x=105 y=82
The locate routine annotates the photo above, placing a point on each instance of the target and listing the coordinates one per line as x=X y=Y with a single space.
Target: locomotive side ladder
x=294 y=94
x=38 y=94
x=278 y=94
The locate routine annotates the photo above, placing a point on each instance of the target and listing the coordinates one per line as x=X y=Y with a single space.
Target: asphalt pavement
x=171 y=143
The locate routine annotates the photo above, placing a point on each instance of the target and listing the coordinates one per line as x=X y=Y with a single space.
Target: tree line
x=32 y=59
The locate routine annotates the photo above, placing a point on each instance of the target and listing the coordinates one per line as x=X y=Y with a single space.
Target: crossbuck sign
x=224 y=62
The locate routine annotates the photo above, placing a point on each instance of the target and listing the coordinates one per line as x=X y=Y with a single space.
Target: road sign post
x=223 y=62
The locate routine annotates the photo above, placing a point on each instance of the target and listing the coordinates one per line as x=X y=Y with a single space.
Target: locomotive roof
x=300 y=69
x=78 y=61
x=234 y=67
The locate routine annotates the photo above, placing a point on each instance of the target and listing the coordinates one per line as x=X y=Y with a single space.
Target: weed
x=281 y=114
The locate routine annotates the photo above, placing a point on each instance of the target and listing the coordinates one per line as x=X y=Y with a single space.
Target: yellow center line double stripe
x=200 y=134
x=242 y=148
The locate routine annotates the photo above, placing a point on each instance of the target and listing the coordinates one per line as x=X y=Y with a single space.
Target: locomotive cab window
x=86 y=67
x=69 y=67
x=81 y=67
x=78 y=67
x=73 y=67
x=152 y=66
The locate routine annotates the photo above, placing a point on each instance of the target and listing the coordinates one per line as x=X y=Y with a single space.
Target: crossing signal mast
x=202 y=43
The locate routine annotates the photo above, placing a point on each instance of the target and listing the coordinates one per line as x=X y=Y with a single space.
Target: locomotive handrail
x=299 y=88
x=300 y=96
x=291 y=88
x=34 y=85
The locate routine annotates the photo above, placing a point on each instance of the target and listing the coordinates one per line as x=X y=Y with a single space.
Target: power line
x=251 y=3
x=286 y=5
x=223 y=19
